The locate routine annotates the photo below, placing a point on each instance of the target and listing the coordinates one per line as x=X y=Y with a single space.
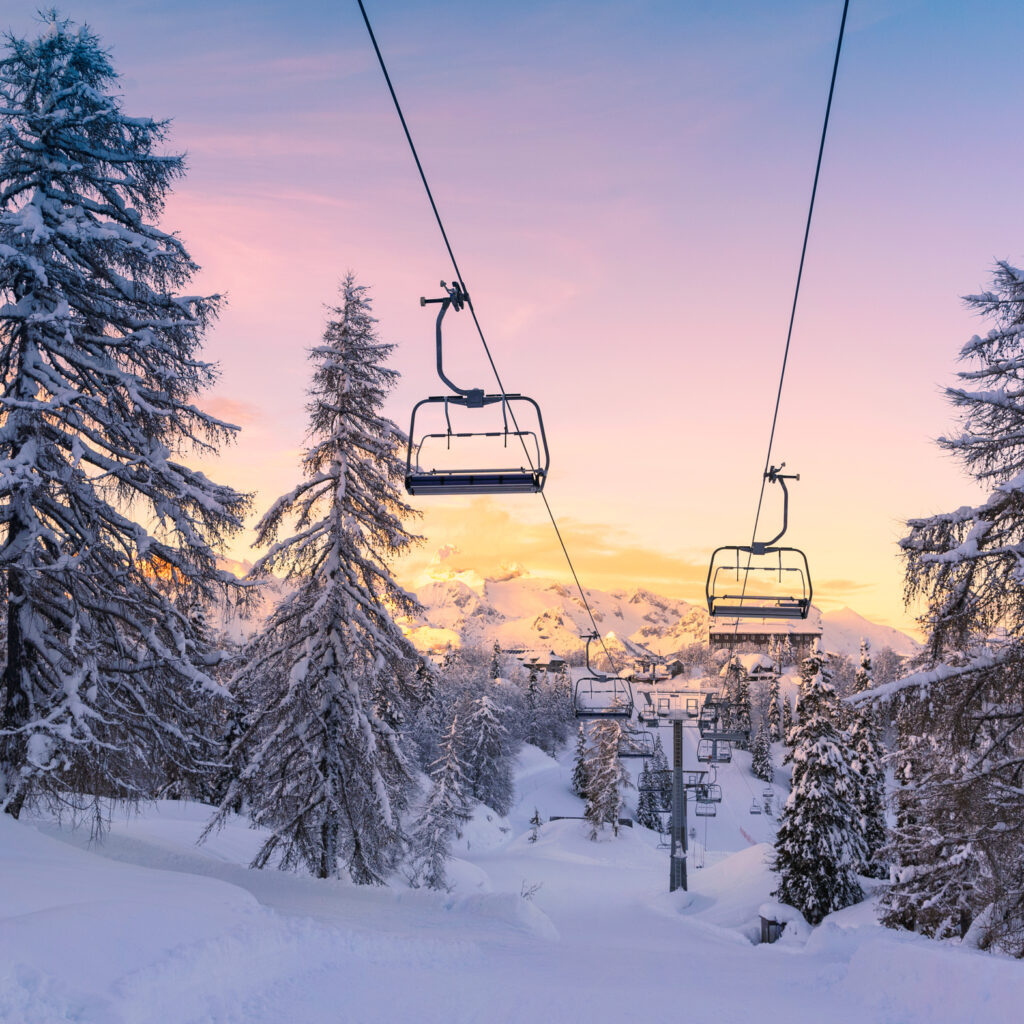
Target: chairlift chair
x=704 y=807
x=664 y=706
x=738 y=576
x=597 y=695
x=524 y=451
x=692 y=707
x=636 y=744
x=755 y=807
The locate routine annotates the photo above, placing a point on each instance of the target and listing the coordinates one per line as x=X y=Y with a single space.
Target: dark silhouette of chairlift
x=730 y=574
x=531 y=445
x=597 y=695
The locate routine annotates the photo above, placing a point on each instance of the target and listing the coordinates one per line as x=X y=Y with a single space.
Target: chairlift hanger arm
x=456 y=298
x=774 y=475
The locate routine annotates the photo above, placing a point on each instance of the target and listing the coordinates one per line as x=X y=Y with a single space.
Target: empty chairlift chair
x=761 y=580
x=704 y=806
x=692 y=707
x=598 y=695
x=636 y=743
x=495 y=455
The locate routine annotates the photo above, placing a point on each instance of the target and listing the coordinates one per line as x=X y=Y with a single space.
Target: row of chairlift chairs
x=435 y=464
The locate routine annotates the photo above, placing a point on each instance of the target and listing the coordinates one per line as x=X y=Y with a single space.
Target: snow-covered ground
x=149 y=927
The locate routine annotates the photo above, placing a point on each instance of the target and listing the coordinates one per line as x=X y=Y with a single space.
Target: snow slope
x=148 y=927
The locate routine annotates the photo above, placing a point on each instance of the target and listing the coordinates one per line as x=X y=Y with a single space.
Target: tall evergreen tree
x=447 y=807
x=963 y=714
x=326 y=772
x=496 y=661
x=761 y=763
x=579 y=768
x=776 y=730
x=106 y=536
x=660 y=771
x=787 y=720
x=487 y=754
x=864 y=741
x=606 y=778
x=819 y=847
x=648 y=804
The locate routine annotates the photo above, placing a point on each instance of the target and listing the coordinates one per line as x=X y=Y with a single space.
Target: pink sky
x=625 y=188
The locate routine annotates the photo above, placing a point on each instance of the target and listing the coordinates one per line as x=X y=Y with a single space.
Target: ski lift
x=692 y=707
x=648 y=714
x=427 y=469
x=704 y=806
x=602 y=696
x=755 y=807
x=714 y=751
x=768 y=793
x=761 y=580
x=664 y=706
x=636 y=744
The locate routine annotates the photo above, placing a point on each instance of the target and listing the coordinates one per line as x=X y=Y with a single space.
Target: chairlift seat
x=705 y=809
x=755 y=807
x=475 y=482
x=727 y=569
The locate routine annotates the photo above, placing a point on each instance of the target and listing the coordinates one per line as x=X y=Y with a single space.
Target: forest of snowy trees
x=351 y=750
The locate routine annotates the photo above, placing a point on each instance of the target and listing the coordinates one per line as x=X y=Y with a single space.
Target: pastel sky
x=625 y=186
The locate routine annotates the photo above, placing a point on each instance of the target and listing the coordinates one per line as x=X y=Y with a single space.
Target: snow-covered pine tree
x=732 y=674
x=535 y=824
x=486 y=753
x=606 y=778
x=324 y=772
x=741 y=716
x=659 y=768
x=787 y=720
x=446 y=809
x=965 y=802
x=818 y=847
x=864 y=740
x=649 y=803
x=761 y=763
x=579 y=768
x=776 y=730
x=106 y=535
x=496 y=661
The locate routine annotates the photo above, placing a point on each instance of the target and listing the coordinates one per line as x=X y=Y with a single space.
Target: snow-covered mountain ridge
x=523 y=611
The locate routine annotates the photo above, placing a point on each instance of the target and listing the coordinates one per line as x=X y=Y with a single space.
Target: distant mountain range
x=523 y=611
x=527 y=612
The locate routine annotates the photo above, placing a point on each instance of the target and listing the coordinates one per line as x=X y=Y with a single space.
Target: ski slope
x=148 y=927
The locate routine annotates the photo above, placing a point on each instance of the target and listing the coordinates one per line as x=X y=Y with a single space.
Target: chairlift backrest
x=737 y=575
x=524 y=459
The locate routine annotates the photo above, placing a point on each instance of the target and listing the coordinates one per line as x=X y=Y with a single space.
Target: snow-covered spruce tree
x=649 y=803
x=967 y=802
x=787 y=720
x=761 y=764
x=325 y=772
x=864 y=741
x=496 y=661
x=106 y=537
x=606 y=778
x=487 y=754
x=446 y=809
x=818 y=847
x=579 y=768
x=775 y=725
x=659 y=769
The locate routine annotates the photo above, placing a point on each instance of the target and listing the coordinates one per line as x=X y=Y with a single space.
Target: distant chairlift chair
x=734 y=569
x=602 y=696
x=529 y=459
